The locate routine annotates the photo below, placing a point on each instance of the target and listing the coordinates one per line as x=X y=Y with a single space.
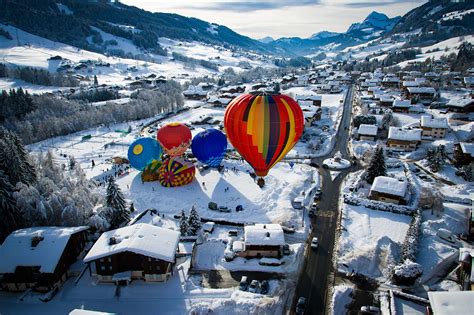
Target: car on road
x=317 y=194
x=311 y=213
x=314 y=206
x=314 y=243
x=369 y=310
x=264 y=287
x=244 y=284
x=300 y=306
x=325 y=166
x=254 y=286
x=286 y=250
x=313 y=164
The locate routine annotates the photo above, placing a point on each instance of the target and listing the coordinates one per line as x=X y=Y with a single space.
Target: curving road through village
x=318 y=271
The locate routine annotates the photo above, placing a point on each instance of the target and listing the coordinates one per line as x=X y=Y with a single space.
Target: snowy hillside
x=25 y=49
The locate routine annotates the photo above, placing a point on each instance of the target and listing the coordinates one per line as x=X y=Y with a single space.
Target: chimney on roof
x=267 y=234
x=112 y=241
x=35 y=240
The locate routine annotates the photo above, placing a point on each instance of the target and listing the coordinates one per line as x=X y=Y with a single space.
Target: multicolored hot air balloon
x=209 y=147
x=176 y=172
x=263 y=128
x=143 y=151
x=175 y=138
x=151 y=172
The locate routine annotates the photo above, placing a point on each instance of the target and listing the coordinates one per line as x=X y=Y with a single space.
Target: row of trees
x=190 y=226
x=15 y=103
x=54 y=116
x=193 y=62
x=39 y=192
x=38 y=76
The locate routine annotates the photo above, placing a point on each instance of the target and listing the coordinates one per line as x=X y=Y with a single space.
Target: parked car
x=286 y=249
x=229 y=255
x=314 y=243
x=317 y=194
x=370 y=310
x=239 y=208
x=224 y=209
x=233 y=233
x=300 y=306
x=298 y=202
x=208 y=227
x=244 y=284
x=314 y=206
x=212 y=205
x=311 y=213
x=446 y=235
x=254 y=286
x=288 y=230
x=264 y=287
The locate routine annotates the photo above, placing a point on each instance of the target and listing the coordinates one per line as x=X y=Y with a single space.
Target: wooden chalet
x=433 y=127
x=388 y=189
x=39 y=257
x=263 y=240
x=403 y=139
x=464 y=153
x=139 y=251
x=367 y=132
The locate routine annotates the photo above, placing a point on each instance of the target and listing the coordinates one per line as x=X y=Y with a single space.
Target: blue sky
x=279 y=18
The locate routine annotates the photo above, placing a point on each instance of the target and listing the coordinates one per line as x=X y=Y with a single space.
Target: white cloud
x=279 y=18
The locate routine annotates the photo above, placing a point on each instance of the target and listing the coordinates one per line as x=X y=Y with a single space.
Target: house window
x=110 y=259
x=158 y=268
x=110 y=268
x=102 y=268
x=149 y=259
x=102 y=260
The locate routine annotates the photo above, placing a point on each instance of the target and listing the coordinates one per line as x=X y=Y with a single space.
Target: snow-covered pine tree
x=11 y=217
x=72 y=162
x=24 y=157
x=194 y=221
x=183 y=224
x=116 y=201
x=377 y=166
x=12 y=163
x=467 y=173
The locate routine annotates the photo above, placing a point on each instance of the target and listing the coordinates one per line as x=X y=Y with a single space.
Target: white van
x=298 y=202
x=208 y=227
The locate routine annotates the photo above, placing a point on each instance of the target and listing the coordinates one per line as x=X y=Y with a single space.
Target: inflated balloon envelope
x=263 y=128
x=143 y=151
x=209 y=147
x=175 y=138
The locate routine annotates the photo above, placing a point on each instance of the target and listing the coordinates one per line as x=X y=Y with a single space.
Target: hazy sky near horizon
x=279 y=18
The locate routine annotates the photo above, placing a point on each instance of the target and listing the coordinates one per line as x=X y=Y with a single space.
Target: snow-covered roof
x=370 y=130
x=264 y=234
x=401 y=103
x=421 y=90
x=193 y=90
x=440 y=123
x=395 y=133
x=17 y=249
x=144 y=239
x=389 y=185
x=86 y=312
x=309 y=98
x=454 y=302
x=410 y=83
x=460 y=102
x=467 y=148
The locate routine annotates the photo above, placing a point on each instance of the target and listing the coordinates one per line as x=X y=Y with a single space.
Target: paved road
x=318 y=271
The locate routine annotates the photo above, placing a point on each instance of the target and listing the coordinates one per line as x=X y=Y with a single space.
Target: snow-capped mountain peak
x=323 y=34
x=375 y=21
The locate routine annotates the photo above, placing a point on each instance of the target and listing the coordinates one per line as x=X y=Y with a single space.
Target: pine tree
x=467 y=173
x=11 y=217
x=132 y=208
x=96 y=82
x=72 y=162
x=183 y=224
x=436 y=158
x=194 y=221
x=116 y=201
x=377 y=166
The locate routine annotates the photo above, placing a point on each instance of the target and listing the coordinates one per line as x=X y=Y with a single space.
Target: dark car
x=300 y=305
x=264 y=287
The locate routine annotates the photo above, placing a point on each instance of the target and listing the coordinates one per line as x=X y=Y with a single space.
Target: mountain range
x=83 y=23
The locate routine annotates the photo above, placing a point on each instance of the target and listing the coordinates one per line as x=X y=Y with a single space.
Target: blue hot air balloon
x=143 y=151
x=209 y=147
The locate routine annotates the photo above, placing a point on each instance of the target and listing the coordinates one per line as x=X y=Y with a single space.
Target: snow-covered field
x=366 y=245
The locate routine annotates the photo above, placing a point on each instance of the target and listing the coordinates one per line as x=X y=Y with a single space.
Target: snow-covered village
x=237 y=157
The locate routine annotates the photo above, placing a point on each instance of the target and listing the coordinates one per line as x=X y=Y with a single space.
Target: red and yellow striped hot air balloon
x=263 y=128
